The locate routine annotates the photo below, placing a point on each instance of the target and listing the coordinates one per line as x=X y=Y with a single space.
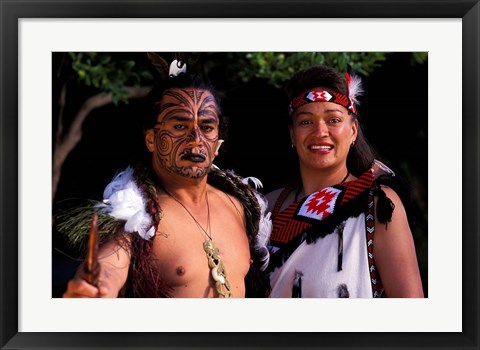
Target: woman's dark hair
x=181 y=81
x=361 y=155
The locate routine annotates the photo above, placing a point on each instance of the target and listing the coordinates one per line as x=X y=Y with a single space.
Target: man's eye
x=179 y=127
x=206 y=128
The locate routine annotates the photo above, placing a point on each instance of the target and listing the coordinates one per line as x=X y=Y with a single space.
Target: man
x=194 y=233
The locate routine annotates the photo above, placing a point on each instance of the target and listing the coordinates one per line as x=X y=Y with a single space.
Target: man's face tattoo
x=187 y=132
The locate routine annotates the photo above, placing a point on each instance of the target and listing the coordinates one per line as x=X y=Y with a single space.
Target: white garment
x=317 y=262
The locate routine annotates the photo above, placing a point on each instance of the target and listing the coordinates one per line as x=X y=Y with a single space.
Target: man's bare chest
x=180 y=256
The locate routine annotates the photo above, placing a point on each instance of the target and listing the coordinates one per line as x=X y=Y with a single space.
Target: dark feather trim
x=160 y=64
x=257 y=283
x=403 y=189
x=385 y=206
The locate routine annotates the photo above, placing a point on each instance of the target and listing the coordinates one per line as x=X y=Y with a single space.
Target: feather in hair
x=177 y=67
x=160 y=64
x=355 y=88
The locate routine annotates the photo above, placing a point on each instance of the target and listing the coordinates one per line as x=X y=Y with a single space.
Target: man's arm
x=114 y=262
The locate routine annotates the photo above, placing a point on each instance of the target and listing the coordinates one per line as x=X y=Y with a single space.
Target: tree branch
x=65 y=145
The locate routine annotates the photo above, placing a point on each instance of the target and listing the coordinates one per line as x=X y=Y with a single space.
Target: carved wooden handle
x=92 y=267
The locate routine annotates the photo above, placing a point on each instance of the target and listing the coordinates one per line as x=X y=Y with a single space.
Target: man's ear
x=219 y=143
x=150 y=140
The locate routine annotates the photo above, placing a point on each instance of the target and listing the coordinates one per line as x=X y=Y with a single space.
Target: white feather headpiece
x=177 y=67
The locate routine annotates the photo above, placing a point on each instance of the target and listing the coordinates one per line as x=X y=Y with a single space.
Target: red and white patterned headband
x=349 y=102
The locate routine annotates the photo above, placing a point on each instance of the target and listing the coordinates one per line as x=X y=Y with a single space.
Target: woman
x=341 y=232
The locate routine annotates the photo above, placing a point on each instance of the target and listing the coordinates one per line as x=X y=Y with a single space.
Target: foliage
x=108 y=73
x=419 y=57
x=277 y=67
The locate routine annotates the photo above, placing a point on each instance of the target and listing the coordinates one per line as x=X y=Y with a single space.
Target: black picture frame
x=12 y=11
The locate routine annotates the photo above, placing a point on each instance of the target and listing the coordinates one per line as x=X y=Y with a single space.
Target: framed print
x=33 y=30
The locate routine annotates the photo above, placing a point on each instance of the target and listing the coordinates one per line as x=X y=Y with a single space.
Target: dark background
x=393 y=113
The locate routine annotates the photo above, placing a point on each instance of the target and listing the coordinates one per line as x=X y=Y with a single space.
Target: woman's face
x=185 y=137
x=322 y=133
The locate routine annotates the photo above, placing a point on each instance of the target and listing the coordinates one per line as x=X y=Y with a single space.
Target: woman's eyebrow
x=302 y=113
x=333 y=111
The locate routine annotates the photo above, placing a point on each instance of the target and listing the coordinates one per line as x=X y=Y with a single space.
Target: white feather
x=256 y=182
x=263 y=238
x=355 y=88
x=124 y=201
x=119 y=181
x=264 y=227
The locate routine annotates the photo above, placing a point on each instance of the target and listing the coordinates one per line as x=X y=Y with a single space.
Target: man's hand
x=113 y=264
x=79 y=288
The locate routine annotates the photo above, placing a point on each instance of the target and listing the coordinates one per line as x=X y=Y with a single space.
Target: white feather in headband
x=355 y=88
x=123 y=200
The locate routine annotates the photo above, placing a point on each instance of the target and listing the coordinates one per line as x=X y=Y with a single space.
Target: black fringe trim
x=385 y=206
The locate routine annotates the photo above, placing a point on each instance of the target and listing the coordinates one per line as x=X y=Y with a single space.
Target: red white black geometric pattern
x=289 y=224
x=285 y=228
x=377 y=288
x=320 y=204
x=322 y=96
x=354 y=188
x=300 y=215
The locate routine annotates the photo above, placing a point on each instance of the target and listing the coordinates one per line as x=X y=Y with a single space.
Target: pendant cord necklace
x=217 y=269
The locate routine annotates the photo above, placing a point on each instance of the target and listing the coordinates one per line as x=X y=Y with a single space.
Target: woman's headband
x=355 y=89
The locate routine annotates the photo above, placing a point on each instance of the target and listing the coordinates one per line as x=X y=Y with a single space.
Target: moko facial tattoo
x=187 y=132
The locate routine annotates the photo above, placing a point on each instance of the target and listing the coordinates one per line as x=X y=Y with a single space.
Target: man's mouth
x=193 y=157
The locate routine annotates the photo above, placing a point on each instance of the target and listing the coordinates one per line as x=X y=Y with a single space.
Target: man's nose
x=195 y=133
